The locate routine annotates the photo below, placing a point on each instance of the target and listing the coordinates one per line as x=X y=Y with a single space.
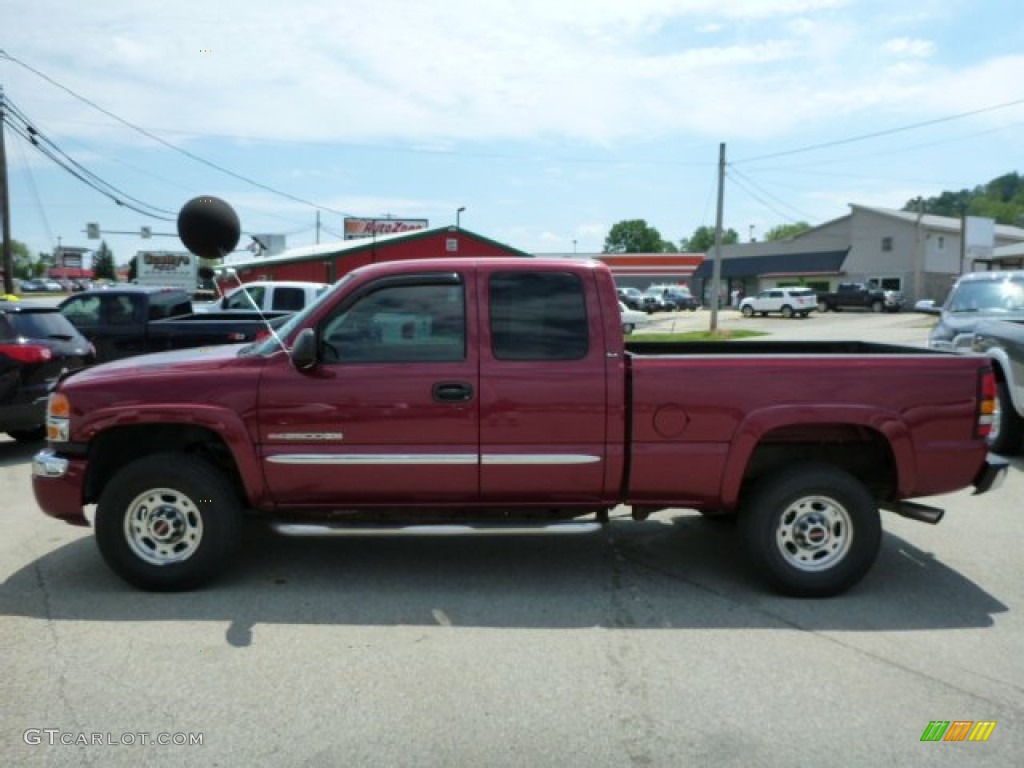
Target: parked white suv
x=789 y=302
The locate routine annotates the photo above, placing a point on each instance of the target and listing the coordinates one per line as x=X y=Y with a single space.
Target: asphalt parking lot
x=643 y=645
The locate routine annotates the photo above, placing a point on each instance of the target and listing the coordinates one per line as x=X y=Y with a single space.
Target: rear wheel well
x=860 y=451
x=114 y=449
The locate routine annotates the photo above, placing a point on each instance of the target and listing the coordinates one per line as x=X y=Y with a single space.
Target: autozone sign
x=356 y=228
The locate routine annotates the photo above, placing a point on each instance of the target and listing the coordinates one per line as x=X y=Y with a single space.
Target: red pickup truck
x=479 y=394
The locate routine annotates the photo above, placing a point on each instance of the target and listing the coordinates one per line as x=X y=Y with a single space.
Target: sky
x=548 y=120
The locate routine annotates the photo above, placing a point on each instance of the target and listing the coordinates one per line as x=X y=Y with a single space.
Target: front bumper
x=57 y=483
x=991 y=475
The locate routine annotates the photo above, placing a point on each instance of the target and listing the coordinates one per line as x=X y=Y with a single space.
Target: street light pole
x=458 y=214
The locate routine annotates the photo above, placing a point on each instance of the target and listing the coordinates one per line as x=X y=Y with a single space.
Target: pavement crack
x=57 y=653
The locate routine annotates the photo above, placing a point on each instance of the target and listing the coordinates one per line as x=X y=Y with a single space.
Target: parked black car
x=633 y=298
x=37 y=343
x=683 y=300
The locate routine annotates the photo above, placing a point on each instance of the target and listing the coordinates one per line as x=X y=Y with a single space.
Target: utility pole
x=5 y=207
x=318 y=227
x=716 y=267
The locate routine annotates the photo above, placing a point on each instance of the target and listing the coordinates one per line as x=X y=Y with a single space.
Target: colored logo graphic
x=958 y=730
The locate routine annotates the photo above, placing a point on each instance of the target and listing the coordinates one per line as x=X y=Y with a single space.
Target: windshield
x=270 y=344
x=988 y=296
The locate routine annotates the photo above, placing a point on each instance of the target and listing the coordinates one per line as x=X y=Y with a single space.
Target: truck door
x=543 y=388
x=391 y=413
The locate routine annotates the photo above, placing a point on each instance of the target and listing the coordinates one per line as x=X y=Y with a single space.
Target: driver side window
x=398 y=324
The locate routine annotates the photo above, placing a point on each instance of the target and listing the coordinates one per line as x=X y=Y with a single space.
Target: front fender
x=225 y=423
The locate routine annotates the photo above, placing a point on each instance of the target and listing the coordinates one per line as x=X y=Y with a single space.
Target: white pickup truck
x=267 y=296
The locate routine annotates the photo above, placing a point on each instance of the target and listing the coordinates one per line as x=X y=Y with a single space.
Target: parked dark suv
x=37 y=343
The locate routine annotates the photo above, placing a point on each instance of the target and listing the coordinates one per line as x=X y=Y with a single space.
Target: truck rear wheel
x=823 y=306
x=877 y=306
x=167 y=522
x=1007 y=425
x=811 y=530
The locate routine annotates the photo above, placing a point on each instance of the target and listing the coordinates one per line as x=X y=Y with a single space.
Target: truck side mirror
x=303 y=352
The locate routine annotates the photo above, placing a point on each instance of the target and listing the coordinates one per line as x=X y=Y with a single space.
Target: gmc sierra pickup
x=479 y=394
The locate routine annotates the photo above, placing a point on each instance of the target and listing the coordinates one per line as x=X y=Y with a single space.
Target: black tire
x=28 y=435
x=823 y=306
x=627 y=328
x=787 y=311
x=805 y=315
x=877 y=306
x=1007 y=426
x=811 y=530
x=748 y=311
x=168 y=523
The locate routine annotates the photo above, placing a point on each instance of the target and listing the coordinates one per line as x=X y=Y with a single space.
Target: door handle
x=453 y=392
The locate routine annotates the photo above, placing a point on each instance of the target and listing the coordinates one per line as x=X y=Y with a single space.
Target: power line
x=735 y=175
x=876 y=134
x=168 y=144
x=24 y=128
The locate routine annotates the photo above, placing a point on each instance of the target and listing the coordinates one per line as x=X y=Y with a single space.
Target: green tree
x=703 y=240
x=1001 y=199
x=133 y=269
x=633 y=236
x=103 y=262
x=22 y=264
x=784 y=231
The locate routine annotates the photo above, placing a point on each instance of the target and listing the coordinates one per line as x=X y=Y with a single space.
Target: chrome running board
x=469 y=529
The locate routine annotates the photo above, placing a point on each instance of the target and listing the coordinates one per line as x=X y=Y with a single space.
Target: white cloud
x=905 y=46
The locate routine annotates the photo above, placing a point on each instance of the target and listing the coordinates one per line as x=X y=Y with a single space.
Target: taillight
x=987 y=402
x=27 y=353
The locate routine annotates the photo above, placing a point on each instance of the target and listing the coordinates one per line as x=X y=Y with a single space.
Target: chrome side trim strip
x=306 y=436
x=428 y=459
x=380 y=459
x=497 y=459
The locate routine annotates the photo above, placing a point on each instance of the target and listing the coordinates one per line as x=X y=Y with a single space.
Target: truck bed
x=702 y=405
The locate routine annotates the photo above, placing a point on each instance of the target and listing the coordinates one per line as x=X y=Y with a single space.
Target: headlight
x=58 y=418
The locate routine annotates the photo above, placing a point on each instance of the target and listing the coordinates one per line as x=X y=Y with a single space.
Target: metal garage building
x=327 y=262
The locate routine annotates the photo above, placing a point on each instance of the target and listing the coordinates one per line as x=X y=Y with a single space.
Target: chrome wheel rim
x=814 y=533
x=163 y=526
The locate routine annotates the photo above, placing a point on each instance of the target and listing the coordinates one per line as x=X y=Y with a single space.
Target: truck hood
x=179 y=361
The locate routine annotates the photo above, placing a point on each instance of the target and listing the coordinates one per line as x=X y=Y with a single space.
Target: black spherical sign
x=208 y=227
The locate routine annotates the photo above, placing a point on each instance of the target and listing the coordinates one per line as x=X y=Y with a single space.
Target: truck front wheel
x=877 y=306
x=167 y=522
x=811 y=530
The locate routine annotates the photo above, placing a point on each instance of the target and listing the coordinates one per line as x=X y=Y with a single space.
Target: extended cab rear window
x=538 y=316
